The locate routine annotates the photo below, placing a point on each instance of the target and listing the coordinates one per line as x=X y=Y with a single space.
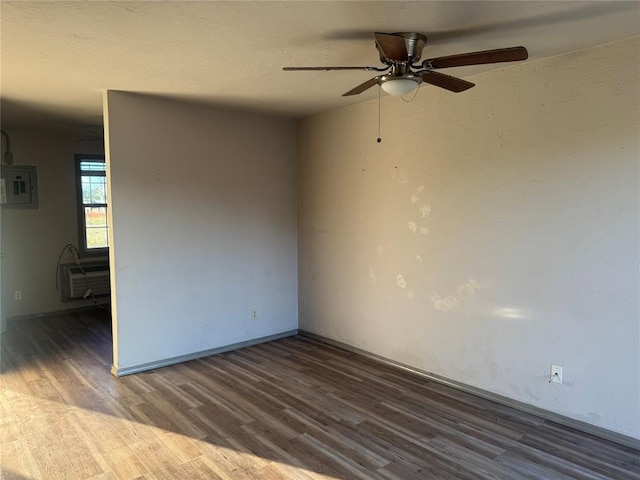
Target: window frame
x=82 y=228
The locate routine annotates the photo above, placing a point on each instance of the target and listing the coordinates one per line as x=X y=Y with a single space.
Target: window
x=91 y=180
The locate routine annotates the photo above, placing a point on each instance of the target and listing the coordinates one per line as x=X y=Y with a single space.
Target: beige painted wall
x=32 y=240
x=203 y=229
x=491 y=234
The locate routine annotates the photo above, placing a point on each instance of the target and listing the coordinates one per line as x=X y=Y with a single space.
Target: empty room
x=320 y=240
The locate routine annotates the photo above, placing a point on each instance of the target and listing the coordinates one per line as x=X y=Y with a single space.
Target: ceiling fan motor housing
x=415 y=43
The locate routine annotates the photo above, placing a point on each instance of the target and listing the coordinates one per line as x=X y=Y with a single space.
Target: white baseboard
x=143 y=367
x=523 y=407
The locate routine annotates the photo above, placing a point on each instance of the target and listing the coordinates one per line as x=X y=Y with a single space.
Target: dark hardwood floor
x=290 y=409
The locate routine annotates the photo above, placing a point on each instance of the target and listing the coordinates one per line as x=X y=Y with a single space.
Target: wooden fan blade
x=393 y=47
x=446 y=81
x=512 y=54
x=295 y=69
x=362 y=87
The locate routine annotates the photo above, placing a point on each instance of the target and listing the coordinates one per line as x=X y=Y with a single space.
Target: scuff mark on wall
x=400 y=281
x=591 y=417
x=530 y=394
x=493 y=370
x=425 y=210
x=372 y=275
x=415 y=197
x=400 y=175
x=410 y=294
x=464 y=294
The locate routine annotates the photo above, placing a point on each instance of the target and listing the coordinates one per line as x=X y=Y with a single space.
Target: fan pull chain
x=412 y=98
x=379 y=89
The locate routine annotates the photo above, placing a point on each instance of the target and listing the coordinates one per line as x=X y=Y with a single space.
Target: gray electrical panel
x=18 y=186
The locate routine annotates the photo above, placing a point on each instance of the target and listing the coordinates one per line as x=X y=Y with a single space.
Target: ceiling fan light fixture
x=399 y=86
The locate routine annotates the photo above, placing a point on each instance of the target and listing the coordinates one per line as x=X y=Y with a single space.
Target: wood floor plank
x=291 y=409
x=530 y=468
x=581 y=464
x=597 y=449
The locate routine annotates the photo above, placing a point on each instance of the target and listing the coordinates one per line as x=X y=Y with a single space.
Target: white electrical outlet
x=18 y=295
x=254 y=314
x=556 y=374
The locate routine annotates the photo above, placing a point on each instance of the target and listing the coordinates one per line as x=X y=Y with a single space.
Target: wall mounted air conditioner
x=89 y=280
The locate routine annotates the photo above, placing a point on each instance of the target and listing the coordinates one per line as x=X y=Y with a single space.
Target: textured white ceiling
x=57 y=57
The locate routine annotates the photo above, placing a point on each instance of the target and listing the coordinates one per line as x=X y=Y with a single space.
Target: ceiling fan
x=400 y=53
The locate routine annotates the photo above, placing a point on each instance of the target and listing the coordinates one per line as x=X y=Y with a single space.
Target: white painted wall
x=490 y=234
x=32 y=239
x=203 y=227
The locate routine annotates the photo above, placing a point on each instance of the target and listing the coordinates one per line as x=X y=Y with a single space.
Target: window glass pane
x=95 y=216
x=97 y=237
x=98 y=194
x=96 y=227
x=86 y=190
x=94 y=189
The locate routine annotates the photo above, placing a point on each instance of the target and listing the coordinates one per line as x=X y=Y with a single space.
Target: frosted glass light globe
x=399 y=86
